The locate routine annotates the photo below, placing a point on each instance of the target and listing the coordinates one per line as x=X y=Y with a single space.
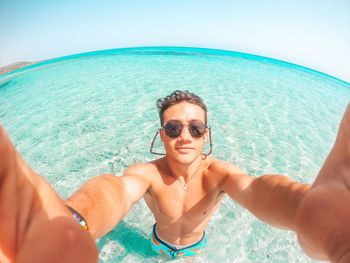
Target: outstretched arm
x=323 y=218
x=273 y=198
x=35 y=225
x=104 y=200
x=320 y=213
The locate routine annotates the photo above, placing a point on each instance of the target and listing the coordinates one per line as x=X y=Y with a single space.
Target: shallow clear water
x=76 y=117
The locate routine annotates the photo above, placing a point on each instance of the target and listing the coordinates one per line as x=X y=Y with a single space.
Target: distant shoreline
x=16 y=65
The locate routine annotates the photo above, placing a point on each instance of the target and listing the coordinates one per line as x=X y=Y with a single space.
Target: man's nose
x=185 y=134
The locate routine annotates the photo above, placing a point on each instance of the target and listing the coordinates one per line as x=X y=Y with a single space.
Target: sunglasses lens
x=197 y=129
x=173 y=129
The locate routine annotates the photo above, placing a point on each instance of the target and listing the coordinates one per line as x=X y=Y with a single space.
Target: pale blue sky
x=314 y=34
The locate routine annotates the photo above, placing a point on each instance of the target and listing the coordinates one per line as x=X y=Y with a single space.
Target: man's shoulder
x=223 y=168
x=142 y=169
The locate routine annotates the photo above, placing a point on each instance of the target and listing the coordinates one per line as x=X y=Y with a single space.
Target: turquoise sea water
x=77 y=117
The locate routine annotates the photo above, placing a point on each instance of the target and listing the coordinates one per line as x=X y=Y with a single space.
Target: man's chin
x=185 y=158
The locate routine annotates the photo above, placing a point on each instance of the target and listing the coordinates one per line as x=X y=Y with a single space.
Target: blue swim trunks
x=162 y=247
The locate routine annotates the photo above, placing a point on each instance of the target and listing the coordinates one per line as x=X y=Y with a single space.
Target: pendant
x=185 y=187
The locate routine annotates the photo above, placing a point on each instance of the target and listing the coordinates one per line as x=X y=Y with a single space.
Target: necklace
x=178 y=178
x=183 y=183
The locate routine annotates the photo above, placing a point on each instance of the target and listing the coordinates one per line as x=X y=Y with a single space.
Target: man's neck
x=187 y=171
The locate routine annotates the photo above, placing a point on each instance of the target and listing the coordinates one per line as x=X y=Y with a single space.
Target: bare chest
x=171 y=202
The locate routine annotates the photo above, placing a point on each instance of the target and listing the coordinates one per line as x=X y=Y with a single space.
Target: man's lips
x=184 y=149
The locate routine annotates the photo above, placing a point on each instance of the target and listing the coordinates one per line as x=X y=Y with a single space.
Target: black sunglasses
x=177 y=134
x=174 y=128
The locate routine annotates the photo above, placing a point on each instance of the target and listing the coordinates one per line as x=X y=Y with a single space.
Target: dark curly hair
x=176 y=97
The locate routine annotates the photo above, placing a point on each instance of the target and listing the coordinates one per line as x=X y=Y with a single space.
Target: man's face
x=185 y=148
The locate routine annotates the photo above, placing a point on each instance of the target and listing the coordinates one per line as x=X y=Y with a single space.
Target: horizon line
x=34 y=64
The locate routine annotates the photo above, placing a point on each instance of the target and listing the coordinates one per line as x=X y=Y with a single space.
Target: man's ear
x=206 y=135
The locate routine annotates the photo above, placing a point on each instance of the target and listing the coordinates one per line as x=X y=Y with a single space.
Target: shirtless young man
x=182 y=189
